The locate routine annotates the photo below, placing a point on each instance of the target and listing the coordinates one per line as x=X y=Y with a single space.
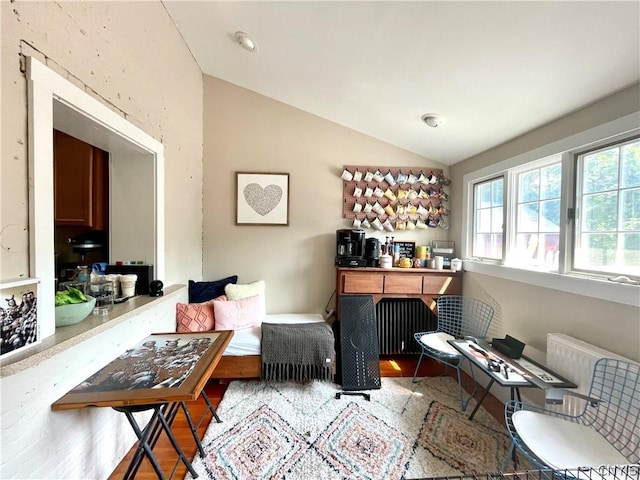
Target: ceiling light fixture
x=245 y=41
x=432 y=119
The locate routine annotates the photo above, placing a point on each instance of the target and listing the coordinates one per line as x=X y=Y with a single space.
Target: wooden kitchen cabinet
x=81 y=178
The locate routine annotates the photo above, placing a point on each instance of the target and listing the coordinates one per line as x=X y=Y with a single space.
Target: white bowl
x=74 y=312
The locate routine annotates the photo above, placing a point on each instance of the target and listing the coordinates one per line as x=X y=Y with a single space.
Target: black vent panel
x=397 y=320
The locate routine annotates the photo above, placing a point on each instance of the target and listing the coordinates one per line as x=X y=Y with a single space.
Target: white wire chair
x=606 y=432
x=458 y=317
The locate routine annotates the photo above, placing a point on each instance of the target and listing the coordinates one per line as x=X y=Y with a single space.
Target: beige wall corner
x=247 y=132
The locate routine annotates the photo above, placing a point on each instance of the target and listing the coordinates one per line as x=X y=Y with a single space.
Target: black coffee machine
x=371 y=250
x=350 y=248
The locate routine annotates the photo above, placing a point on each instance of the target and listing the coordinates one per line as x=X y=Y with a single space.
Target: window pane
x=630 y=253
x=600 y=171
x=529 y=184
x=484 y=195
x=630 y=210
x=527 y=218
x=598 y=249
x=498 y=192
x=600 y=212
x=550 y=216
x=483 y=223
x=480 y=243
x=550 y=181
x=496 y=220
x=631 y=165
x=488 y=246
x=488 y=219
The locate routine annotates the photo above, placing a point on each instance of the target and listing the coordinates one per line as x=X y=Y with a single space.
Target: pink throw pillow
x=238 y=314
x=196 y=317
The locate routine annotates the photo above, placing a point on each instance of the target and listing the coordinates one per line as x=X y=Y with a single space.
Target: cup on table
x=439 y=261
x=102 y=291
x=128 y=284
x=115 y=278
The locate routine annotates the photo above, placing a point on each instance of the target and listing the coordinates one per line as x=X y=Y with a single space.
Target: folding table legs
x=162 y=419
x=146 y=448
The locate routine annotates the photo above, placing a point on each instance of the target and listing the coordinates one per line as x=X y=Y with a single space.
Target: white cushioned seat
x=562 y=444
x=438 y=341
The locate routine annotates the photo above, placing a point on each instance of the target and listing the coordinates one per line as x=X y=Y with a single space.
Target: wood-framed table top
x=522 y=372
x=162 y=368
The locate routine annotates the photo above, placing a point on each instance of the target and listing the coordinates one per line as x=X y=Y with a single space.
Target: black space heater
x=359 y=355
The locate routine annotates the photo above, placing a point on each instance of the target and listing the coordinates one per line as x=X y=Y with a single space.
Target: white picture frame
x=20 y=328
x=262 y=198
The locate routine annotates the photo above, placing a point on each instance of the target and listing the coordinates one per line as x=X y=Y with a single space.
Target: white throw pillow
x=242 y=291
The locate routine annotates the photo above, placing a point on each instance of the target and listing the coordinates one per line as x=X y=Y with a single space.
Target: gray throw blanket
x=297 y=352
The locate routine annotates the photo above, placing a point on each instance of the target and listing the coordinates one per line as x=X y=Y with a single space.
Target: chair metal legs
x=417 y=368
x=463 y=404
x=510 y=455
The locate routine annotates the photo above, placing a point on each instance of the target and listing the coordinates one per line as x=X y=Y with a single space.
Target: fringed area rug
x=301 y=431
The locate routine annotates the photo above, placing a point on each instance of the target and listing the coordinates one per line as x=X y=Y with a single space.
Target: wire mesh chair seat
x=458 y=316
x=606 y=432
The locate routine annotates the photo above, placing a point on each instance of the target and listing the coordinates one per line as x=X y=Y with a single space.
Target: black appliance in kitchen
x=350 y=246
x=89 y=242
x=371 y=251
x=78 y=252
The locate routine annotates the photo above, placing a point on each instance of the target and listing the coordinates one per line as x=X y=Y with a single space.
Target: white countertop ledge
x=67 y=337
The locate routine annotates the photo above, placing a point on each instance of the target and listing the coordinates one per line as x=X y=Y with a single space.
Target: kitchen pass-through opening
x=135 y=195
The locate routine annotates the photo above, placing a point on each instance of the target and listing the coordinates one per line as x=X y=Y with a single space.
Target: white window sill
x=589 y=287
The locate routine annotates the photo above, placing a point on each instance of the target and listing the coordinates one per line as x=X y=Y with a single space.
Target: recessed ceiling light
x=432 y=119
x=245 y=41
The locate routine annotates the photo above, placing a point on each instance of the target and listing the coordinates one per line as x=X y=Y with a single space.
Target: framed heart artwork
x=262 y=198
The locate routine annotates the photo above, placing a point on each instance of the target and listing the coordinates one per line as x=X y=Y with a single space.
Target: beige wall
x=529 y=312
x=244 y=131
x=131 y=55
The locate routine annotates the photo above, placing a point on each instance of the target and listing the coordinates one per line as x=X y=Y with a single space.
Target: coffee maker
x=371 y=250
x=350 y=248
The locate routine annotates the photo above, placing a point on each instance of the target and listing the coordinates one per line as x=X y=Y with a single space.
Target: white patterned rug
x=294 y=431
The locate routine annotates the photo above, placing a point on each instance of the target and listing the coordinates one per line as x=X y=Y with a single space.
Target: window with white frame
x=607 y=227
x=488 y=219
x=518 y=216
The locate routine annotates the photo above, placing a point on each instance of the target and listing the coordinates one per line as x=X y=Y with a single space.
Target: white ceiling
x=493 y=70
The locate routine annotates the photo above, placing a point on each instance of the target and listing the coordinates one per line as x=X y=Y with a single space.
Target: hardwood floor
x=399 y=366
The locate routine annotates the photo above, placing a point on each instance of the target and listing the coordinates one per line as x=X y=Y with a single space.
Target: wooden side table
x=160 y=373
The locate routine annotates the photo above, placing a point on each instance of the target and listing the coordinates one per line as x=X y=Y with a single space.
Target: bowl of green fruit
x=72 y=306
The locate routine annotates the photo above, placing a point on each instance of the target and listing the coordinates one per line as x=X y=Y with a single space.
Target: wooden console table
x=423 y=283
x=400 y=295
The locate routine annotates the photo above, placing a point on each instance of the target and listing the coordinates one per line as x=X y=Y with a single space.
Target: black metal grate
x=398 y=319
x=621 y=472
x=360 y=360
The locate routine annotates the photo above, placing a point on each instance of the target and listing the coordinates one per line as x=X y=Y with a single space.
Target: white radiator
x=574 y=360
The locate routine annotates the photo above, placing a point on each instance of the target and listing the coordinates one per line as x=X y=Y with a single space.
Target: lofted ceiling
x=493 y=70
